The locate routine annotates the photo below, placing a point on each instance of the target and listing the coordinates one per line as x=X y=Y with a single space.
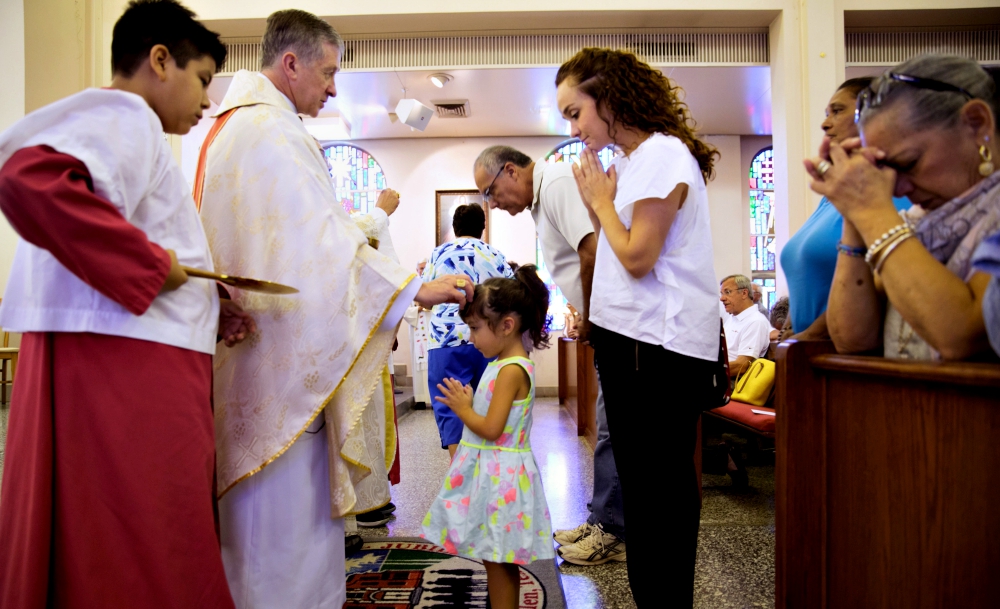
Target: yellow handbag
x=756 y=384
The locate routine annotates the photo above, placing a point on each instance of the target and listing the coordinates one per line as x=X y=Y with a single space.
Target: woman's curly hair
x=636 y=96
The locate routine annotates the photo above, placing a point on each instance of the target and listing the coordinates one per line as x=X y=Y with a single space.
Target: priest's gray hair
x=495 y=157
x=299 y=32
x=928 y=108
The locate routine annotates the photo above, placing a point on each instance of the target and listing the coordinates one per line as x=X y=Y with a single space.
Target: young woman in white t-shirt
x=653 y=310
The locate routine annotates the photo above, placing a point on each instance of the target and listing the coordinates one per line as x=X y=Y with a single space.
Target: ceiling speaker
x=413 y=113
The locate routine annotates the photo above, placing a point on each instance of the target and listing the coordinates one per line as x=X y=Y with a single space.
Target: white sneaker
x=566 y=537
x=595 y=549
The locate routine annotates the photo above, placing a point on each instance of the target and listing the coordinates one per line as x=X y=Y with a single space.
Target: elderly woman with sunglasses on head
x=928 y=132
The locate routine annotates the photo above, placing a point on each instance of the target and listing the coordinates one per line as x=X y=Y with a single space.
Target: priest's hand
x=447 y=289
x=235 y=324
x=176 y=277
x=388 y=201
x=456 y=396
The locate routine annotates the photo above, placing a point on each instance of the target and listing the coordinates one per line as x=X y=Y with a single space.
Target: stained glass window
x=762 y=244
x=357 y=177
x=567 y=152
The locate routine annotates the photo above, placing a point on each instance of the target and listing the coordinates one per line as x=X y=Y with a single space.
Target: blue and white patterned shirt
x=478 y=260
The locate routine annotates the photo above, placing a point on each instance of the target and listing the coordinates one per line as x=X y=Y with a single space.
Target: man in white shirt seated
x=747 y=330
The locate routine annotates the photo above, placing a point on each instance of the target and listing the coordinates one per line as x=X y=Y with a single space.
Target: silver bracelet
x=888 y=250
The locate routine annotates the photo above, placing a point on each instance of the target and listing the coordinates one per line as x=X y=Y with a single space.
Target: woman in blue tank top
x=810 y=256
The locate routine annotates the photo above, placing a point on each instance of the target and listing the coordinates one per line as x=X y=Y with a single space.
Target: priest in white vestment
x=293 y=453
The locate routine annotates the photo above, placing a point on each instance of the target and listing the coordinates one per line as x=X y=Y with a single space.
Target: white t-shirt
x=562 y=222
x=674 y=305
x=748 y=333
x=120 y=140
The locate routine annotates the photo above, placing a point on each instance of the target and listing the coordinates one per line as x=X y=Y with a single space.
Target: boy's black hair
x=469 y=221
x=146 y=23
x=524 y=295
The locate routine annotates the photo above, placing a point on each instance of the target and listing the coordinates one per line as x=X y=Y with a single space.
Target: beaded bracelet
x=882 y=241
x=850 y=250
x=889 y=249
x=887 y=245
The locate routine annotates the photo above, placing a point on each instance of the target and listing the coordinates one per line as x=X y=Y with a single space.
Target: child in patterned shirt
x=492 y=504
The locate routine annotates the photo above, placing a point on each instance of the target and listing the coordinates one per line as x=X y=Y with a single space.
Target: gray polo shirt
x=562 y=222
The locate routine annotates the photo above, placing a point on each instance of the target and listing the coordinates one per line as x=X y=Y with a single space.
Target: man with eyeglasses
x=511 y=181
x=748 y=332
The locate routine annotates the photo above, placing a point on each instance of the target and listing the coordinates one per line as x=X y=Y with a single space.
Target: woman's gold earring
x=986 y=167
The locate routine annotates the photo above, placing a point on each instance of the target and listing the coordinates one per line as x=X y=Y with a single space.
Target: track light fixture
x=440 y=80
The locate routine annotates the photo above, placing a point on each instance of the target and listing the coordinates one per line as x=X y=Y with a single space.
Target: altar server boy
x=108 y=485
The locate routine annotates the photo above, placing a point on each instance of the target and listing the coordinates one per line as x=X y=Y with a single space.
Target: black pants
x=653 y=398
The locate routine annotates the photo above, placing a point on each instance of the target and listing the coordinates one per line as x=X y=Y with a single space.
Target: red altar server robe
x=107 y=497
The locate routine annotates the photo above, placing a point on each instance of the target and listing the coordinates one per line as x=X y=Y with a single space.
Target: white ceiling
x=521 y=101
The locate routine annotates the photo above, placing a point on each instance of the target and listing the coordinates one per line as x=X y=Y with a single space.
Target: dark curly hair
x=525 y=295
x=637 y=96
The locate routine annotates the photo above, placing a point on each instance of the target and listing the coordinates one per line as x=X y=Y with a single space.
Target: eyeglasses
x=868 y=98
x=731 y=292
x=487 y=195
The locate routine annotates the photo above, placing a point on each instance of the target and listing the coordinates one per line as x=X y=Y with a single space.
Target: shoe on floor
x=567 y=537
x=388 y=508
x=595 y=549
x=352 y=543
x=374 y=518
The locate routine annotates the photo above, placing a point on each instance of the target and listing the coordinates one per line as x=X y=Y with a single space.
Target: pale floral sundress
x=492 y=505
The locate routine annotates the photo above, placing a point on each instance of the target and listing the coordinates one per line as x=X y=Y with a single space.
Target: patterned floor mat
x=409 y=573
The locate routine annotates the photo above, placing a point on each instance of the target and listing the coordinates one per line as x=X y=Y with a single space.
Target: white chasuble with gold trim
x=270 y=211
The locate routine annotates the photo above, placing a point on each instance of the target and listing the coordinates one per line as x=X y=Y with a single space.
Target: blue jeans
x=606 y=507
x=466 y=365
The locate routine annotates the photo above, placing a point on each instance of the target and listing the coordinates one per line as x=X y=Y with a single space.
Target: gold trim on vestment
x=312 y=418
x=377 y=507
x=389 y=398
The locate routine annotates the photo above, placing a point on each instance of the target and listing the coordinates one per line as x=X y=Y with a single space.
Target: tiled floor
x=736 y=543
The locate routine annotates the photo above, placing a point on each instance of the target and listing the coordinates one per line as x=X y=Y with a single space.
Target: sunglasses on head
x=869 y=98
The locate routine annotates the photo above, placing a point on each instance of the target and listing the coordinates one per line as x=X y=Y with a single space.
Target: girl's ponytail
x=525 y=295
x=534 y=307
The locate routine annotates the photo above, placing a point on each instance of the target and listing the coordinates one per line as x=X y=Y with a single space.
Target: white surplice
x=270 y=211
x=107 y=129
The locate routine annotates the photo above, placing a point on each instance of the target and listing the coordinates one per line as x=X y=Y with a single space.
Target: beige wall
x=728 y=209
x=67 y=47
x=56 y=43
x=11 y=105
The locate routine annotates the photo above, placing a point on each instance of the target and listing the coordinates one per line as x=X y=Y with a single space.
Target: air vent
x=242 y=54
x=730 y=47
x=882 y=48
x=452 y=108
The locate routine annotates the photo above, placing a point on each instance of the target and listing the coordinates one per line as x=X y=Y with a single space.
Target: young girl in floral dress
x=492 y=505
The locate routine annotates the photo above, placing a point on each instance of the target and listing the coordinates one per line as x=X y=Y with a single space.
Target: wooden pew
x=887 y=480
x=578 y=386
